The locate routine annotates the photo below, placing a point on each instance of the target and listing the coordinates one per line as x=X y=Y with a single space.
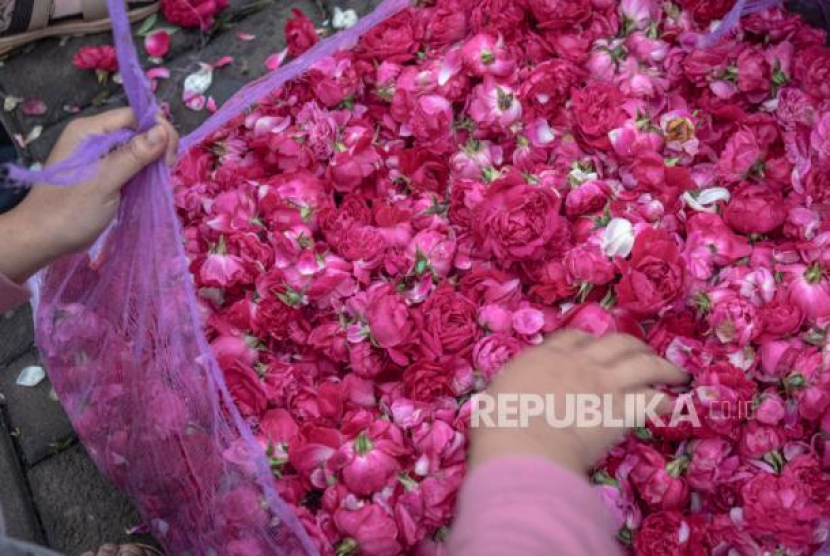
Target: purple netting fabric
x=740 y=9
x=120 y=332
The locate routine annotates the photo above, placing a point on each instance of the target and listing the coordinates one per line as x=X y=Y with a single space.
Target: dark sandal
x=26 y=21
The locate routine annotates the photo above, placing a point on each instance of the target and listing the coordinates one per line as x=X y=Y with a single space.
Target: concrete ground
x=50 y=491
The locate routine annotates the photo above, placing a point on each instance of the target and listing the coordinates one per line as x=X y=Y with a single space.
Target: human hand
x=55 y=221
x=573 y=362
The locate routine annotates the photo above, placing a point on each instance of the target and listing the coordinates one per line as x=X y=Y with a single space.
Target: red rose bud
x=97 y=58
x=192 y=13
x=755 y=209
x=299 y=33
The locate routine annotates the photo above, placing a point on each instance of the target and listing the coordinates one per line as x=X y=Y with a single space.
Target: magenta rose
x=781 y=508
x=365 y=360
x=518 y=222
x=449 y=323
x=806 y=469
x=371 y=527
x=753 y=72
x=666 y=534
x=755 y=209
x=770 y=410
x=300 y=34
x=587 y=264
x=427 y=171
x=370 y=464
x=98 y=58
x=548 y=87
x=278 y=426
x=712 y=463
x=780 y=317
x=597 y=109
x=502 y=17
x=246 y=388
x=560 y=14
x=192 y=13
x=275 y=316
x=395 y=40
x=653 y=276
x=813 y=402
x=491 y=353
x=552 y=283
x=740 y=154
x=758 y=439
x=657 y=480
x=588 y=198
x=706 y=11
x=388 y=317
x=447 y=24
x=812 y=69
x=599 y=321
x=365 y=244
x=426 y=381
x=431 y=120
x=733 y=319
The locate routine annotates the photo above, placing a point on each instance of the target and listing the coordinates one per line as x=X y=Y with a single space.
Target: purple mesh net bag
x=119 y=330
x=730 y=21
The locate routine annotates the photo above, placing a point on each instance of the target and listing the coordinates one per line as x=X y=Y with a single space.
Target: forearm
x=24 y=247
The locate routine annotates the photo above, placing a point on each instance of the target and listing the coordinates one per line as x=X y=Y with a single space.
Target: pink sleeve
x=529 y=506
x=11 y=294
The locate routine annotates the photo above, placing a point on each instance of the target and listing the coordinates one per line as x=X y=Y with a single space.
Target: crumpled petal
x=31 y=376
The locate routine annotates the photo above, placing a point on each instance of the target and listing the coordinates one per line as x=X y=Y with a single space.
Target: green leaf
x=147 y=25
x=774 y=459
x=625 y=536
x=676 y=467
x=643 y=433
x=702 y=302
x=603 y=478
x=170 y=30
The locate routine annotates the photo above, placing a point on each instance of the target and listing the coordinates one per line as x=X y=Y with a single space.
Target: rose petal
x=343 y=19
x=154 y=74
x=617 y=238
x=33 y=107
x=10 y=103
x=198 y=82
x=704 y=201
x=223 y=61
x=194 y=101
x=33 y=135
x=528 y=321
x=275 y=60
x=31 y=376
x=245 y=36
x=158 y=73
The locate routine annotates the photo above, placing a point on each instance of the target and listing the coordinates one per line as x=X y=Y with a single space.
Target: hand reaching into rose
x=52 y=221
x=572 y=362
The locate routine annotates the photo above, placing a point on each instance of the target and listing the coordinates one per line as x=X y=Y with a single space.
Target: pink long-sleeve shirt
x=530 y=507
x=508 y=506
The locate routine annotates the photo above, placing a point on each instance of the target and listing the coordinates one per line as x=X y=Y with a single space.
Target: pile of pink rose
x=373 y=242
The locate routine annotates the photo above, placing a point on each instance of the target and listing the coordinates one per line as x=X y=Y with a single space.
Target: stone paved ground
x=50 y=491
